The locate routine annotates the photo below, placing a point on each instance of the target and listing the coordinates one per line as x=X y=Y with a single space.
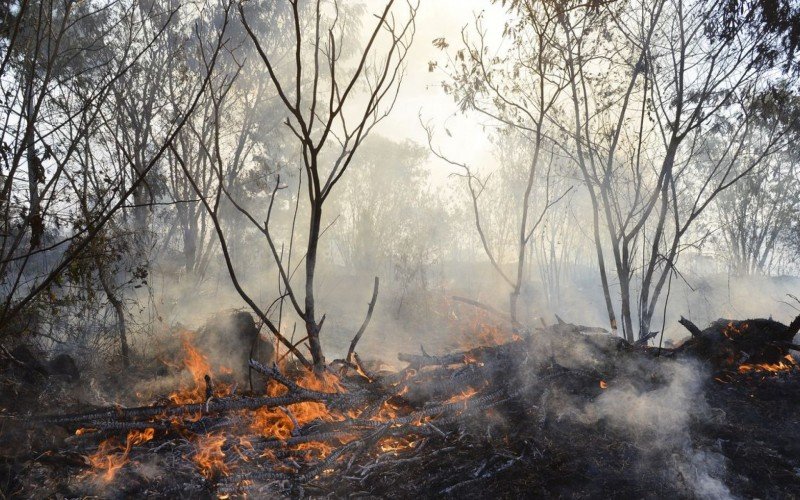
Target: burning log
x=484 y=411
x=424 y=359
x=743 y=346
x=213 y=406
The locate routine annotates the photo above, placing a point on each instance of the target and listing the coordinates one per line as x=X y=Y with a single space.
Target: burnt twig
x=365 y=323
x=690 y=326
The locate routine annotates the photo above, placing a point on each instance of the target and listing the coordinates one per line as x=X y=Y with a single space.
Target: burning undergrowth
x=557 y=411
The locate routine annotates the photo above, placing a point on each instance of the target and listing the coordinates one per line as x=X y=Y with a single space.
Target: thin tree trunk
x=312 y=328
x=119 y=310
x=34 y=172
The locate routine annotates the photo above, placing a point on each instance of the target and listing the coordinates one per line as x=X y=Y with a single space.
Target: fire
x=315 y=450
x=388 y=411
x=209 y=457
x=478 y=328
x=603 y=384
x=198 y=366
x=393 y=444
x=490 y=335
x=730 y=331
x=784 y=365
x=216 y=452
x=272 y=423
x=463 y=396
x=111 y=457
x=280 y=423
x=470 y=359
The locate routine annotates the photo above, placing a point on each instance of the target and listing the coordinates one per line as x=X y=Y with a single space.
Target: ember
x=202 y=203
x=306 y=430
x=788 y=363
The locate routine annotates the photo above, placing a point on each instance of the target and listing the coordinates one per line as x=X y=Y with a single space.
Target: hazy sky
x=422 y=93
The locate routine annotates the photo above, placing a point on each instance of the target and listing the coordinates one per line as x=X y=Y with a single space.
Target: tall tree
x=329 y=109
x=637 y=136
x=520 y=90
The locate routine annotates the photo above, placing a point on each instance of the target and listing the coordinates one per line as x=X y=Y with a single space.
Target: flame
x=730 y=331
x=111 y=457
x=244 y=443
x=394 y=444
x=463 y=396
x=388 y=411
x=470 y=359
x=209 y=457
x=279 y=424
x=198 y=366
x=603 y=384
x=315 y=450
x=214 y=452
x=489 y=335
x=477 y=327
x=786 y=364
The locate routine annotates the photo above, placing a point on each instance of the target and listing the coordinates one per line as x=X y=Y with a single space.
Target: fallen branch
x=213 y=406
x=486 y=308
x=364 y=325
x=690 y=326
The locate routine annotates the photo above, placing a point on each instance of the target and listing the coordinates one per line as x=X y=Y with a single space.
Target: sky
x=421 y=92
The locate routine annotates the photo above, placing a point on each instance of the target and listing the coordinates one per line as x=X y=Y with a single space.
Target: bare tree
x=637 y=135
x=520 y=91
x=81 y=53
x=329 y=110
x=757 y=214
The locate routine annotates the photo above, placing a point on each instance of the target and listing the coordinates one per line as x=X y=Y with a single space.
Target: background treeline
x=164 y=160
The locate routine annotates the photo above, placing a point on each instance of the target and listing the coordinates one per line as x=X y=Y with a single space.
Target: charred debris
x=559 y=411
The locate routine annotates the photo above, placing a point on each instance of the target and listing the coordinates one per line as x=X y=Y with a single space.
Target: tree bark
x=312 y=328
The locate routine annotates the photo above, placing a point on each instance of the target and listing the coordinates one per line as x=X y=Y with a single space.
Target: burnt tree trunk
x=119 y=309
x=312 y=328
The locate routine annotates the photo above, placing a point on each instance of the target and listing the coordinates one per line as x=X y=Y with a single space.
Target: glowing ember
x=786 y=364
x=603 y=384
x=463 y=396
x=393 y=445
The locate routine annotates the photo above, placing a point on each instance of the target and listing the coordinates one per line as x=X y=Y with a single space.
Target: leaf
x=440 y=43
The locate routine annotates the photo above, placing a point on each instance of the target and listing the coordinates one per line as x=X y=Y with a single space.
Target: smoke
x=701 y=471
x=661 y=413
x=658 y=419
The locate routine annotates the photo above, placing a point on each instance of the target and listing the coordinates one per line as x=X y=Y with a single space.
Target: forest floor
x=557 y=412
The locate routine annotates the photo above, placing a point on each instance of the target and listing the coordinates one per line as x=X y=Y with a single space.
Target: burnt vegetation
x=229 y=266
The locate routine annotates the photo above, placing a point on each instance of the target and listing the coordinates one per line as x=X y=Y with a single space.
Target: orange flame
x=279 y=424
x=786 y=364
x=198 y=366
x=209 y=457
x=110 y=457
x=393 y=444
x=211 y=452
x=463 y=396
